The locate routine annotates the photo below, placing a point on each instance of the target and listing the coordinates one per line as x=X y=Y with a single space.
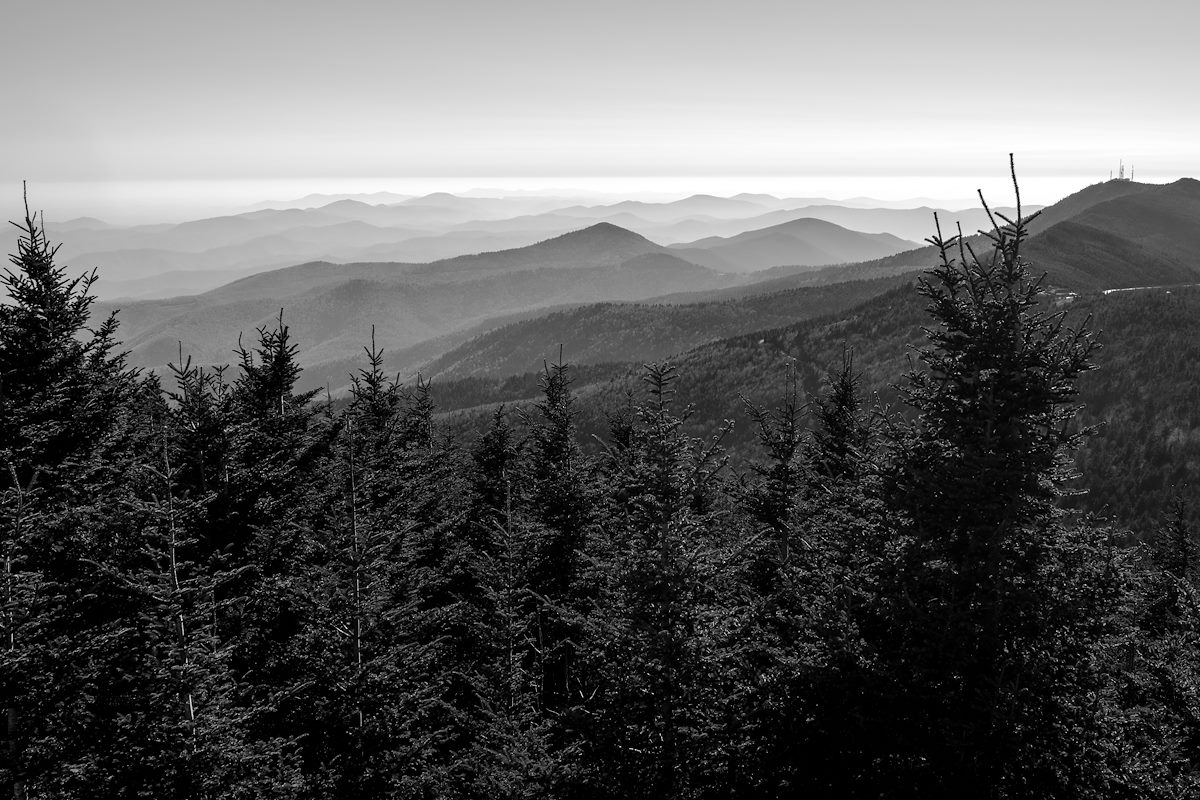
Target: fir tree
x=60 y=381
x=840 y=447
x=995 y=605
x=559 y=505
x=69 y=416
x=659 y=632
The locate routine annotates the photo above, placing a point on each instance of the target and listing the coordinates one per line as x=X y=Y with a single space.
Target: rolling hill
x=1115 y=234
x=608 y=332
x=1143 y=237
x=1112 y=235
x=1141 y=397
x=333 y=307
x=802 y=242
x=601 y=244
x=913 y=224
x=164 y=260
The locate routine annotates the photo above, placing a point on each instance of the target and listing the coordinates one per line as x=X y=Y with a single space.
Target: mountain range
x=411 y=302
x=161 y=260
x=1141 y=398
x=1151 y=230
x=333 y=307
x=503 y=312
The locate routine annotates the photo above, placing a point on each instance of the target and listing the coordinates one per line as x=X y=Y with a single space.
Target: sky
x=122 y=102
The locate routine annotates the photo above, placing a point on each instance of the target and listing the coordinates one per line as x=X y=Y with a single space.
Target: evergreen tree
x=772 y=499
x=803 y=668
x=995 y=606
x=272 y=448
x=60 y=381
x=1175 y=549
x=658 y=629
x=202 y=416
x=70 y=415
x=840 y=451
x=526 y=752
x=558 y=502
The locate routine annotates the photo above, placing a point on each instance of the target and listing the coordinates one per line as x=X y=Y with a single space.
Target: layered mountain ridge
x=1111 y=235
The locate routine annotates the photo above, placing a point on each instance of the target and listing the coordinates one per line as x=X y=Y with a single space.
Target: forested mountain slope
x=1111 y=235
x=336 y=306
x=1142 y=238
x=638 y=333
x=1142 y=394
x=1138 y=235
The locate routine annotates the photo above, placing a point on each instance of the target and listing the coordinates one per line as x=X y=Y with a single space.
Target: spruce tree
x=658 y=633
x=69 y=416
x=840 y=451
x=60 y=381
x=994 y=604
x=810 y=560
x=272 y=444
x=526 y=752
x=772 y=498
x=558 y=500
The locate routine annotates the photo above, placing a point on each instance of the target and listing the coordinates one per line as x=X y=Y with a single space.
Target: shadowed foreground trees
x=1005 y=603
x=233 y=590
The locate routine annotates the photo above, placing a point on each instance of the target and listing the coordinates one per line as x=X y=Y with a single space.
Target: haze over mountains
x=1116 y=235
x=1153 y=229
x=333 y=307
x=336 y=305
x=492 y=313
x=164 y=260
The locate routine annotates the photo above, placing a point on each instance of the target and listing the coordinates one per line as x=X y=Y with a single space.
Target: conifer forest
x=217 y=585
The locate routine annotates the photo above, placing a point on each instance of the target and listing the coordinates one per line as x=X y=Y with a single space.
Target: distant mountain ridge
x=1110 y=235
x=804 y=241
x=600 y=262
x=1115 y=234
x=601 y=244
x=333 y=307
x=147 y=260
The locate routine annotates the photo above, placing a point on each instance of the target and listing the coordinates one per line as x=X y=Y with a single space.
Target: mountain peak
x=437 y=198
x=602 y=244
x=605 y=232
x=345 y=203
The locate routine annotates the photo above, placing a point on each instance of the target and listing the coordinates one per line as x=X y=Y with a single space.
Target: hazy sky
x=124 y=91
